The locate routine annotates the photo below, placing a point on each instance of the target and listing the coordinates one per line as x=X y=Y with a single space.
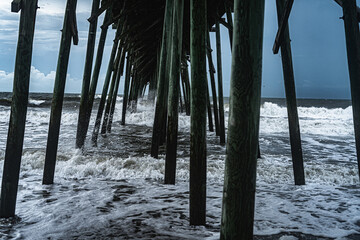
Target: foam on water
x=99 y=193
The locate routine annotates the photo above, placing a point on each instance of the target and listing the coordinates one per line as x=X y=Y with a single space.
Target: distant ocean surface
x=116 y=190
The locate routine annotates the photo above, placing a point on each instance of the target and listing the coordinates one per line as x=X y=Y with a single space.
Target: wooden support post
x=111 y=90
x=213 y=86
x=95 y=133
x=230 y=22
x=81 y=130
x=116 y=90
x=353 y=54
x=152 y=89
x=160 y=108
x=58 y=96
x=243 y=130
x=208 y=107
x=198 y=28
x=95 y=76
x=220 y=87
x=15 y=138
x=186 y=89
x=294 y=128
x=126 y=89
x=174 y=92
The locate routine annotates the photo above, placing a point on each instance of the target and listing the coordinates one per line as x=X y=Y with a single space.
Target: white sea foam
x=36 y=102
x=86 y=184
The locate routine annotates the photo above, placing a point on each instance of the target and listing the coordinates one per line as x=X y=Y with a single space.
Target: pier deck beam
x=15 y=138
x=288 y=72
x=353 y=54
x=243 y=130
x=198 y=29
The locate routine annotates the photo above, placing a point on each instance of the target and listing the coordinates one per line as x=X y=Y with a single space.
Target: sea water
x=116 y=190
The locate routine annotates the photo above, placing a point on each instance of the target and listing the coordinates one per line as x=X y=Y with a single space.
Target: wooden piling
x=160 y=108
x=230 y=22
x=174 y=93
x=58 y=96
x=209 y=112
x=111 y=90
x=198 y=28
x=126 y=89
x=15 y=138
x=95 y=132
x=185 y=79
x=243 y=130
x=95 y=75
x=81 y=131
x=116 y=90
x=353 y=54
x=294 y=128
x=213 y=86
x=220 y=86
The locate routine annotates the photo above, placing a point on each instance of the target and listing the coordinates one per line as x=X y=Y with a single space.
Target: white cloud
x=39 y=81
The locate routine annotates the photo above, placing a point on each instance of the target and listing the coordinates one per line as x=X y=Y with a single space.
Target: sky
x=316 y=32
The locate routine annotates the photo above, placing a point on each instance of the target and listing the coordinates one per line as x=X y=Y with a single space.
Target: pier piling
x=174 y=93
x=58 y=95
x=243 y=130
x=15 y=138
x=294 y=128
x=84 y=101
x=353 y=55
x=198 y=29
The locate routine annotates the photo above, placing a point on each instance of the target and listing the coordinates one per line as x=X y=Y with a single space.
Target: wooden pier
x=154 y=44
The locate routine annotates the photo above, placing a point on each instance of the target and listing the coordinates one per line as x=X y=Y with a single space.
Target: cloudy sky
x=317 y=34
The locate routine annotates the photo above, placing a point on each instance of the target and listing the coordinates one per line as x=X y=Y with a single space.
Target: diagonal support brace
x=283 y=24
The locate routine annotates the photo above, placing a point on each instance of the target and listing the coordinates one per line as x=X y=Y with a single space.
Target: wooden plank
x=283 y=24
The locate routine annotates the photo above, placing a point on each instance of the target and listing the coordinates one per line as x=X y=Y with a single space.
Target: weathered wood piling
x=15 y=138
x=84 y=100
x=198 y=28
x=160 y=112
x=212 y=82
x=109 y=71
x=353 y=55
x=220 y=86
x=126 y=89
x=289 y=82
x=243 y=130
x=58 y=95
x=174 y=93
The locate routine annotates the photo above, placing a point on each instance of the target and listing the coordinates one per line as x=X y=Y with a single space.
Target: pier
x=163 y=48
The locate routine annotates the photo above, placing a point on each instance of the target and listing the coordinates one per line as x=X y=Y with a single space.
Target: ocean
x=116 y=190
